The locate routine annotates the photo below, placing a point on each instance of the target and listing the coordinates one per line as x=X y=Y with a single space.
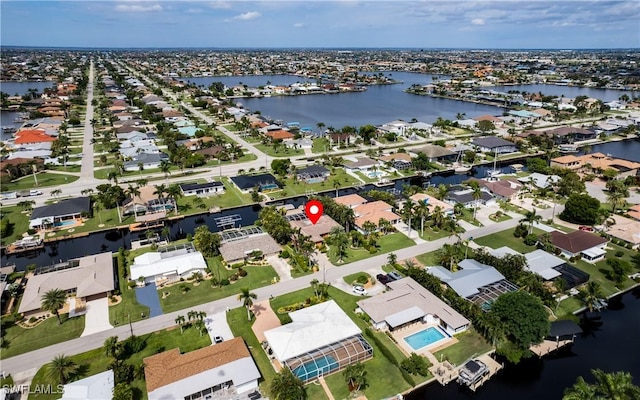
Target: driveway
x=97 y=316
x=217 y=326
x=282 y=267
x=148 y=296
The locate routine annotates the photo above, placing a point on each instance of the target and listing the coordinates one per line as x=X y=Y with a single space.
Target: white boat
x=461 y=169
x=568 y=148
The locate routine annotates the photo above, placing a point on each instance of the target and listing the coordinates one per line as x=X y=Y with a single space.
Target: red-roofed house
x=30 y=136
x=280 y=134
x=373 y=212
x=589 y=246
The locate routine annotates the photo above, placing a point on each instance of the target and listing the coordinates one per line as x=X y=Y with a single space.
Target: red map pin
x=314 y=210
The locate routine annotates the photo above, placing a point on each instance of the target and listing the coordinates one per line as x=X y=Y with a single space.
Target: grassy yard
x=18 y=340
x=429 y=259
x=95 y=361
x=320 y=145
x=45 y=179
x=506 y=238
x=231 y=198
x=129 y=307
x=383 y=377
x=356 y=278
x=245 y=157
x=68 y=168
x=297 y=188
x=366 y=178
x=470 y=343
x=203 y=292
x=282 y=151
x=18 y=223
x=430 y=234
x=386 y=244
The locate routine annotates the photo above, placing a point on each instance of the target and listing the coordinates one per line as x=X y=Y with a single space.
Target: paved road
x=39 y=357
x=86 y=168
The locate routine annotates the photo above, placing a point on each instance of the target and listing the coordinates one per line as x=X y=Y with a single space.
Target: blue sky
x=560 y=24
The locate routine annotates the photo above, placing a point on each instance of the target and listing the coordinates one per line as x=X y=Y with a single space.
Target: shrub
x=415 y=365
x=284 y=254
x=531 y=239
x=362 y=279
x=225 y=282
x=32 y=320
x=619 y=253
x=233 y=277
x=131 y=284
x=242 y=272
x=237 y=265
x=520 y=231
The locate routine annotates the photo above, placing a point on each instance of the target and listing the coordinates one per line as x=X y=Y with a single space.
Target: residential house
x=398 y=127
x=539 y=180
x=362 y=164
x=407 y=302
x=341 y=139
x=222 y=369
x=436 y=153
x=322 y=333
x=634 y=212
x=88 y=278
x=202 y=189
x=168 y=264
x=463 y=195
x=313 y=174
x=568 y=161
x=146 y=161
x=64 y=212
x=95 y=387
x=625 y=229
x=32 y=136
x=350 y=200
x=147 y=201
x=494 y=145
x=570 y=134
x=504 y=189
x=263 y=182
x=318 y=231
x=399 y=161
x=373 y=212
x=210 y=152
x=239 y=248
x=580 y=243
x=432 y=203
x=476 y=282
x=132 y=136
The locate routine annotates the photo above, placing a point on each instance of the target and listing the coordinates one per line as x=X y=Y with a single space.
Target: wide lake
x=379 y=104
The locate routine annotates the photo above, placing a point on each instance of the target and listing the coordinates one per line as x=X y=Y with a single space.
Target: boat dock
x=476 y=372
x=562 y=333
x=25 y=244
x=548 y=346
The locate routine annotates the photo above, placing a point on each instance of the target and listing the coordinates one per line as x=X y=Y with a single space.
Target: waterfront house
x=580 y=243
x=476 y=282
x=94 y=387
x=550 y=267
x=432 y=203
x=237 y=246
x=570 y=134
x=88 y=278
x=218 y=371
x=406 y=303
x=168 y=264
x=202 y=189
x=61 y=213
x=625 y=229
x=539 y=180
x=463 y=195
x=362 y=164
x=298 y=220
x=504 y=189
x=399 y=161
x=374 y=212
x=320 y=335
x=147 y=201
x=32 y=136
x=436 y=153
x=494 y=145
x=313 y=174
x=350 y=200
x=341 y=139
x=263 y=182
x=398 y=127
x=568 y=161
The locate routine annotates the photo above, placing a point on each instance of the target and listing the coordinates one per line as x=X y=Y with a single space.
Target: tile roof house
x=436 y=153
x=87 y=276
x=350 y=200
x=407 y=302
x=634 y=212
x=361 y=164
x=31 y=136
x=494 y=144
x=432 y=203
x=223 y=368
x=316 y=231
x=502 y=188
x=238 y=250
x=373 y=212
x=589 y=246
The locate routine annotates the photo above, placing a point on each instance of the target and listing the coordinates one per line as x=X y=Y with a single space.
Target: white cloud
x=298 y=25
x=248 y=16
x=193 y=11
x=138 y=7
x=477 y=21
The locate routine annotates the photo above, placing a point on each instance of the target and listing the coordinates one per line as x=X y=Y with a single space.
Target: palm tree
x=437 y=216
x=531 y=217
x=336 y=186
x=616 y=199
x=591 y=294
x=422 y=212
x=246 y=297
x=174 y=192
x=192 y=315
x=339 y=239
x=133 y=192
x=355 y=376
x=161 y=189
x=477 y=195
x=52 y=301
x=200 y=326
x=612 y=386
x=407 y=213
x=56 y=192
x=111 y=347
x=449 y=256
x=61 y=368
x=165 y=167
x=180 y=321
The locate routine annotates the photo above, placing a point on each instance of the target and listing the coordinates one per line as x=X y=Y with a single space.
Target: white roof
x=542 y=263
x=503 y=251
x=404 y=316
x=95 y=387
x=177 y=261
x=310 y=329
x=594 y=252
x=469 y=279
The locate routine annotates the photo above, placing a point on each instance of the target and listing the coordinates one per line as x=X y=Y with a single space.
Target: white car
x=357 y=289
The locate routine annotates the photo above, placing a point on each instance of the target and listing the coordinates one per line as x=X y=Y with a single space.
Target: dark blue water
x=608 y=343
x=628 y=149
x=605 y=95
x=20 y=88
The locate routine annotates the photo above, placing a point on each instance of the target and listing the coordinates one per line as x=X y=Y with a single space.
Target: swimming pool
x=424 y=338
x=315 y=368
x=375 y=174
x=65 y=223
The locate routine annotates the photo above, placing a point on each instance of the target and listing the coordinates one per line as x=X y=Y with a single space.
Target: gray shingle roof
x=75 y=205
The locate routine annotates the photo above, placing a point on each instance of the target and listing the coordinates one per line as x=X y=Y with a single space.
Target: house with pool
x=319 y=341
x=414 y=314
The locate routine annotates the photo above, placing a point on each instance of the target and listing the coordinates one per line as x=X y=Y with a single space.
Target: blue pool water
x=424 y=338
x=315 y=368
x=65 y=223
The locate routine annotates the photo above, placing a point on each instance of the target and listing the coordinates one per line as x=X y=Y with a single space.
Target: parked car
x=395 y=275
x=357 y=289
x=383 y=278
x=218 y=339
x=586 y=228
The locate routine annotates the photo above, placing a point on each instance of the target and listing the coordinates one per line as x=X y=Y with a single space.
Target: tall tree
x=608 y=386
x=247 y=297
x=407 y=213
x=61 y=368
x=206 y=242
x=339 y=239
x=111 y=347
x=531 y=217
x=591 y=295
x=286 y=386
x=355 y=376
x=52 y=301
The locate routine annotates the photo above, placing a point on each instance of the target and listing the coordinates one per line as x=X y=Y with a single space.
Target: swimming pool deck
x=426 y=351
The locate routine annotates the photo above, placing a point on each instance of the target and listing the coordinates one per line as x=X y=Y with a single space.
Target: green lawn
x=506 y=238
x=429 y=259
x=383 y=377
x=203 y=293
x=245 y=157
x=231 y=198
x=430 y=234
x=366 y=178
x=355 y=278
x=129 y=307
x=18 y=223
x=321 y=145
x=94 y=361
x=45 y=179
x=568 y=306
x=282 y=151
x=470 y=344
x=297 y=188
x=68 y=168
x=17 y=340
x=386 y=244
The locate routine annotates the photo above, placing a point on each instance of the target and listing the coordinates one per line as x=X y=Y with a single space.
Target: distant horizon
x=313 y=24
x=10 y=46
